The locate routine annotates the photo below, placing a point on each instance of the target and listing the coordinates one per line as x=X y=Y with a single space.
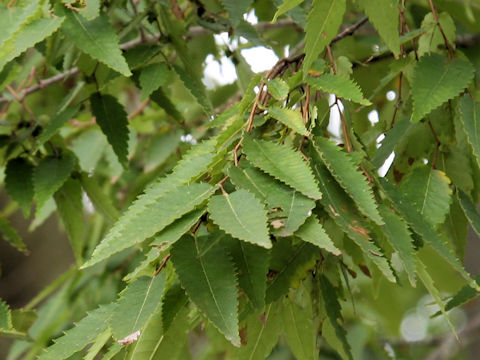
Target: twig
x=437 y=146
x=440 y=27
x=403 y=23
x=163 y=264
x=139 y=109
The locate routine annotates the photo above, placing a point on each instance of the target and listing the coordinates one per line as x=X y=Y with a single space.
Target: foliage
x=235 y=216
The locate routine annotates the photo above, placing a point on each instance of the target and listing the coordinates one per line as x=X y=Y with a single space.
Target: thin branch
x=440 y=27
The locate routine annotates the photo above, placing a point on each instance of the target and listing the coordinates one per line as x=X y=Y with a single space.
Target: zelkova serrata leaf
x=10 y=234
x=323 y=22
x=208 y=276
x=341 y=86
x=242 y=215
x=346 y=172
x=288 y=117
x=470 y=211
x=470 y=110
x=436 y=80
x=283 y=163
x=112 y=119
x=314 y=233
x=18 y=183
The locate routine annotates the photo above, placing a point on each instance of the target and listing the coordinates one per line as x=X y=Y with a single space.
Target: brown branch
x=435 y=16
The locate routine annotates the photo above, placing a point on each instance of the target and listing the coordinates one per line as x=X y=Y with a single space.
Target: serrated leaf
x=5 y=316
x=464 y=295
x=147 y=221
x=286 y=6
x=424 y=229
x=470 y=211
x=101 y=201
x=112 y=119
x=341 y=210
x=344 y=169
x=136 y=304
x=208 y=276
x=30 y=34
x=97 y=346
x=341 y=86
x=436 y=80
x=251 y=263
x=50 y=175
x=470 y=111
x=429 y=192
x=196 y=88
x=96 y=38
x=152 y=77
x=314 y=233
x=242 y=215
x=289 y=263
x=384 y=15
x=173 y=301
x=70 y=208
x=286 y=206
x=278 y=88
x=161 y=99
x=333 y=311
x=283 y=163
x=85 y=332
x=431 y=38
x=55 y=123
x=323 y=22
x=288 y=117
x=236 y=9
x=175 y=230
x=400 y=238
x=262 y=333
x=18 y=183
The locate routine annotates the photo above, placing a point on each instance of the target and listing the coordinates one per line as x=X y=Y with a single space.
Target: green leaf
x=428 y=190
x=289 y=263
x=251 y=263
x=100 y=200
x=384 y=15
x=333 y=311
x=345 y=171
x=96 y=38
x=287 y=208
x=70 y=208
x=174 y=300
x=147 y=221
x=288 y=117
x=11 y=235
x=286 y=6
x=400 y=238
x=30 y=34
x=161 y=99
x=136 y=304
x=314 y=233
x=152 y=77
x=112 y=119
x=208 y=276
x=436 y=80
x=196 y=87
x=97 y=346
x=464 y=295
x=55 y=123
x=262 y=333
x=18 y=183
x=236 y=9
x=85 y=332
x=242 y=215
x=422 y=227
x=50 y=175
x=283 y=163
x=322 y=25
x=470 y=111
x=5 y=316
x=341 y=210
x=341 y=86
x=278 y=88
x=470 y=211
x=431 y=38
x=175 y=230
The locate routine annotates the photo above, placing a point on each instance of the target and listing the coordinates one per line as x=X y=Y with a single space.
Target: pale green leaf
x=278 y=88
x=436 y=80
x=341 y=86
x=5 y=316
x=152 y=77
x=286 y=6
x=470 y=111
x=50 y=175
x=432 y=38
x=18 y=183
x=196 y=87
x=14 y=18
x=208 y=276
x=423 y=228
x=84 y=332
x=251 y=263
x=242 y=215
x=346 y=172
x=175 y=230
x=101 y=201
x=470 y=211
x=236 y=9
x=112 y=118
x=323 y=22
x=262 y=333
x=287 y=208
x=464 y=295
x=400 y=238
x=283 y=163
x=147 y=221
x=341 y=210
x=291 y=118
x=384 y=15
x=428 y=190
x=96 y=38
x=314 y=233
x=136 y=304
x=70 y=208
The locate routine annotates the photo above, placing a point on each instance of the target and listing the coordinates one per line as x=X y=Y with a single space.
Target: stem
x=447 y=43
x=437 y=147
